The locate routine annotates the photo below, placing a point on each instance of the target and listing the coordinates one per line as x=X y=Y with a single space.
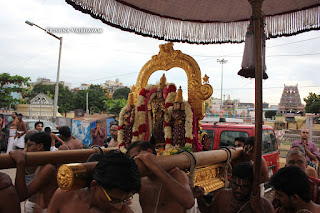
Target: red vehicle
x=223 y=134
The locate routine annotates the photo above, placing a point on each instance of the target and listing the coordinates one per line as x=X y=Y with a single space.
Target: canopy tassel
x=248 y=60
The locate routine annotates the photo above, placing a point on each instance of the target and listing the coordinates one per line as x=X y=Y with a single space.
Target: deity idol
x=178 y=121
x=157 y=108
x=128 y=120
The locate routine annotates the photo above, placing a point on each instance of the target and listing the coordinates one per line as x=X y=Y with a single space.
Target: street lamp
x=221 y=61
x=56 y=92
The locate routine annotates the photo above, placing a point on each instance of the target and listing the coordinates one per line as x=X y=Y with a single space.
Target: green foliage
x=115 y=106
x=121 y=93
x=312 y=103
x=10 y=84
x=270 y=114
x=96 y=99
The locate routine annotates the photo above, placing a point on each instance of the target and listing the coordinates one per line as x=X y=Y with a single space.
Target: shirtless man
x=12 y=131
x=9 y=200
x=115 y=179
x=247 y=156
x=21 y=132
x=293 y=190
x=161 y=191
x=43 y=185
x=69 y=141
x=54 y=138
x=238 y=198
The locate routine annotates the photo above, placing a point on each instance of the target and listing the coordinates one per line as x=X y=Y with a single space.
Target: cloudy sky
x=94 y=58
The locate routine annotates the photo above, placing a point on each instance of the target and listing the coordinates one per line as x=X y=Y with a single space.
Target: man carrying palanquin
x=161 y=191
x=115 y=179
x=157 y=108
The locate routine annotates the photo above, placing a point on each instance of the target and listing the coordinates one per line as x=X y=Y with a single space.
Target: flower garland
x=121 y=121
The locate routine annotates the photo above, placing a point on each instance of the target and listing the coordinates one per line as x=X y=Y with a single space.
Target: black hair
x=241 y=139
x=303 y=154
x=38 y=122
x=20 y=115
x=94 y=157
x=249 y=141
x=28 y=134
x=15 y=113
x=301 y=148
x=116 y=170
x=114 y=123
x=142 y=145
x=292 y=180
x=47 y=129
x=243 y=171
x=65 y=131
x=42 y=138
x=98 y=121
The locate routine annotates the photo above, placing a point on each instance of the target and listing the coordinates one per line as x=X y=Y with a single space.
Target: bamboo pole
x=256 y=13
x=58 y=157
x=74 y=176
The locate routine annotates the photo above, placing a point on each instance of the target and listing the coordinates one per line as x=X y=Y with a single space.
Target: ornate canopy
x=205 y=21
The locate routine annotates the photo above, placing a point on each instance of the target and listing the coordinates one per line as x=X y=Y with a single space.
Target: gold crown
x=130 y=99
x=179 y=96
x=163 y=81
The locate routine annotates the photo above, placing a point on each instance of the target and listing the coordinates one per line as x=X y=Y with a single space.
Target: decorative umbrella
x=211 y=21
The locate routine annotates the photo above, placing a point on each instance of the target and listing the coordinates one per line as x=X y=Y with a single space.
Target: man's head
x=239 y=141
x=39 y=141
x=14 y=115
x=98 y=124
x=65 y=132
x=305 y=133
x=38 y=126
x=135 y=148
x=47 y=130
x=114 y=129
x=20 y=117
x=248 y=148
x=292 y=186
x=241 y=182
x=115 y=179
x=297 y=158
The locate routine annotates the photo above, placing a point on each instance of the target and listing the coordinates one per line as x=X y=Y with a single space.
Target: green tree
x=121 y=93
x=66 y=98
x=312 y=103
x=115 y=106
x=11 y=84
x=97 y=96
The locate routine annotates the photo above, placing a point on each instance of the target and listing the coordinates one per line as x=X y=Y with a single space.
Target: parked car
x=30 y=125
x=223 y=134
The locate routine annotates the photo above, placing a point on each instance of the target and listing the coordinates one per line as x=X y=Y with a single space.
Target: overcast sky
x=96 y=57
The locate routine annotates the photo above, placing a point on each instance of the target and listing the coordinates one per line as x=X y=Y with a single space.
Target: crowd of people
x=116 y=178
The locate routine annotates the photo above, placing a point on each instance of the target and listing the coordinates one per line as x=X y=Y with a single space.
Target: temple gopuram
x=290 y=101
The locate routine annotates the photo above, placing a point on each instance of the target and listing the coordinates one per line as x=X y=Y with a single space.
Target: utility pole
x=221 y=61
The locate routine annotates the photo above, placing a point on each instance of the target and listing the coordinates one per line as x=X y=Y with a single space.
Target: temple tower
x=290 y=101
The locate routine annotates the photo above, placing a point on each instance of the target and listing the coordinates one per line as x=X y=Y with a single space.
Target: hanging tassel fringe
x=127 y=18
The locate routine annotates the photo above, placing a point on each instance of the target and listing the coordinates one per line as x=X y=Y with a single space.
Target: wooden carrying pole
x=75 y=176
x=58 y=157
x=256 y=13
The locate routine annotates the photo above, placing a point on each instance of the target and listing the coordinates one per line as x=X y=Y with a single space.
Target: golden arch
x=168 y=58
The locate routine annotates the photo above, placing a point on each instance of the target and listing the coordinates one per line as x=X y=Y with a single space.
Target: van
x=222 y=134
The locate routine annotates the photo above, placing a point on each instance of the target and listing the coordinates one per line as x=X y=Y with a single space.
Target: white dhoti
x=11 y=140
x=20 y=141
x=30 y=207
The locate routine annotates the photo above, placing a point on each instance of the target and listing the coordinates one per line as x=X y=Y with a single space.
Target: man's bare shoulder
x=224 y=194
x=5 y=181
